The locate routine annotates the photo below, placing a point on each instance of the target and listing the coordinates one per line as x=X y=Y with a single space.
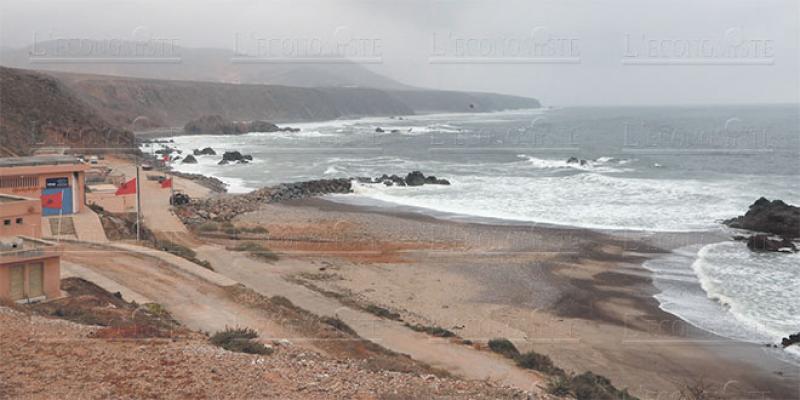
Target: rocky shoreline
x=225 y=208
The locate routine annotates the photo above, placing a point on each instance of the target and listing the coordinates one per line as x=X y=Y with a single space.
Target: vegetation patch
x=256 y=250
x=382 y=312
x=431 y=330
x=505 y=347
x=559 y=385
x=339 y=325
x=589 y=386
x=208 y=227
x=181 y=251
x=538 y=362
x=240 y=340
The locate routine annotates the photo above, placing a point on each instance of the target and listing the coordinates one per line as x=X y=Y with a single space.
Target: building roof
x=13 y=248
x=33 y=161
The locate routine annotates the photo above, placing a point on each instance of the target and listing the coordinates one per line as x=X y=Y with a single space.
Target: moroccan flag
x=52 y=200
x=128 y=187
x=167 y=183
x=166 y=157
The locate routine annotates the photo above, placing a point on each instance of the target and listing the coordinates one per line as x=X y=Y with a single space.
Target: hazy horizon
x=563 y=53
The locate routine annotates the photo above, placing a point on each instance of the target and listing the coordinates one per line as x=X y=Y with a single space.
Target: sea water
x=649 y=169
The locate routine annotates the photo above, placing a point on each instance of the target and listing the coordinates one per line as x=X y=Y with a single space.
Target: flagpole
x=60 y=214
x=138 y=207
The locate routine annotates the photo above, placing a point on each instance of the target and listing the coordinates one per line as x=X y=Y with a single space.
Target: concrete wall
x=29 y=209
x=51 y=277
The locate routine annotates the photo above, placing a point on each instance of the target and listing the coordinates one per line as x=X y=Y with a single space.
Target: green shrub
x=255 y=229
x=559 y=385
x=247 y=246
x=432 y=330
x=239 y=340
x=176 y=249
x=183 y=252
x=539 y=362
x=589 y=386
x=208 y=227
x=256 y=250
x=339 y=325
x=382 y=312
x=504 y=346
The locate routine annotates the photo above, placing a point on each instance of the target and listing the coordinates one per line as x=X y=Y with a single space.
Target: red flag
x=167 y=183
x=128 y=187
x=54 y=200
x=166 y=157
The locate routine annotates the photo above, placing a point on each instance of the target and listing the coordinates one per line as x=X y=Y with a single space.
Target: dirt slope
x=36 y=110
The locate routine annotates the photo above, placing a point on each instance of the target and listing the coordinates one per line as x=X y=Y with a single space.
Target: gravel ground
x=43 y=358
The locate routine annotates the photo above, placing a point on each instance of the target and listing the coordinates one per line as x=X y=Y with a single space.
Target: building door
x=35 y=280
x=17 y=291
x=54 y=187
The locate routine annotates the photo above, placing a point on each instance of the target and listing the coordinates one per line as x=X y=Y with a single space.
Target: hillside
x=141 y=104
x=204 y=64
x=37 y=110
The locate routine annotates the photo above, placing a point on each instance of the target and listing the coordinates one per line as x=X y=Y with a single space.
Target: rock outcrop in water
x=576 y=160
x=414 y=178
x=762 y=242
x=235 y=157
x=208 y=151
x=791 y=340
x=217 y=124
x=774 y=217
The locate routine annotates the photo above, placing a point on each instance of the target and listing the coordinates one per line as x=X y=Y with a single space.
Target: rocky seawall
x=226 y=207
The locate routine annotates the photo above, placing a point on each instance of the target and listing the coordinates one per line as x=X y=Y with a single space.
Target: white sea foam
x=589 y=200
x=726 y=289
x=602 y=164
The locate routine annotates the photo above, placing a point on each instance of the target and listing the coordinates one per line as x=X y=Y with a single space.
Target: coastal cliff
x=141 y=104
x=39 y=111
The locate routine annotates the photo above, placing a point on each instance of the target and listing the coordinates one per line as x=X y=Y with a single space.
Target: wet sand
x=579 y=296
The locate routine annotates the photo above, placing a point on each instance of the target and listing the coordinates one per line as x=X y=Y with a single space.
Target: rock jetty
x=224 y=208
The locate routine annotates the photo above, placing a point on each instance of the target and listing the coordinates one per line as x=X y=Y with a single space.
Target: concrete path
x=458 y=359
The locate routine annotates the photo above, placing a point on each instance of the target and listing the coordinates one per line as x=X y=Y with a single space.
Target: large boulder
x=208 y=151
x=189 y=160
x=235 y=156
x=774 y=217
x=762 y=242
x=415 y=178
x=792 y=339
x=263 y=126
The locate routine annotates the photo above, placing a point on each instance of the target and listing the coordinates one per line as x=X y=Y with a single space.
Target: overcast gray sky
x=563 y=52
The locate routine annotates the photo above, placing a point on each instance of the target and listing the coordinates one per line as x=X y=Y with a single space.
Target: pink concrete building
x=36 y=176
x=20 y=216
x=30 y=269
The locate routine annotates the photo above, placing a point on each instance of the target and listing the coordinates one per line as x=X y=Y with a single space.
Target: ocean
x=645 y=169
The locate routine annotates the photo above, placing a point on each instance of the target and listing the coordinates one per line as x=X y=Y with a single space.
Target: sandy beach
x=577 y=295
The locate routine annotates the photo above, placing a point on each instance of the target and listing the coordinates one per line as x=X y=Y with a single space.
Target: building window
x=19 y=221
x=22 y=181
x=7 y=222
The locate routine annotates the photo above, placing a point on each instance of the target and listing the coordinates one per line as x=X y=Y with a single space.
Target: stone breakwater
x=226 y=207
x=223 y=208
